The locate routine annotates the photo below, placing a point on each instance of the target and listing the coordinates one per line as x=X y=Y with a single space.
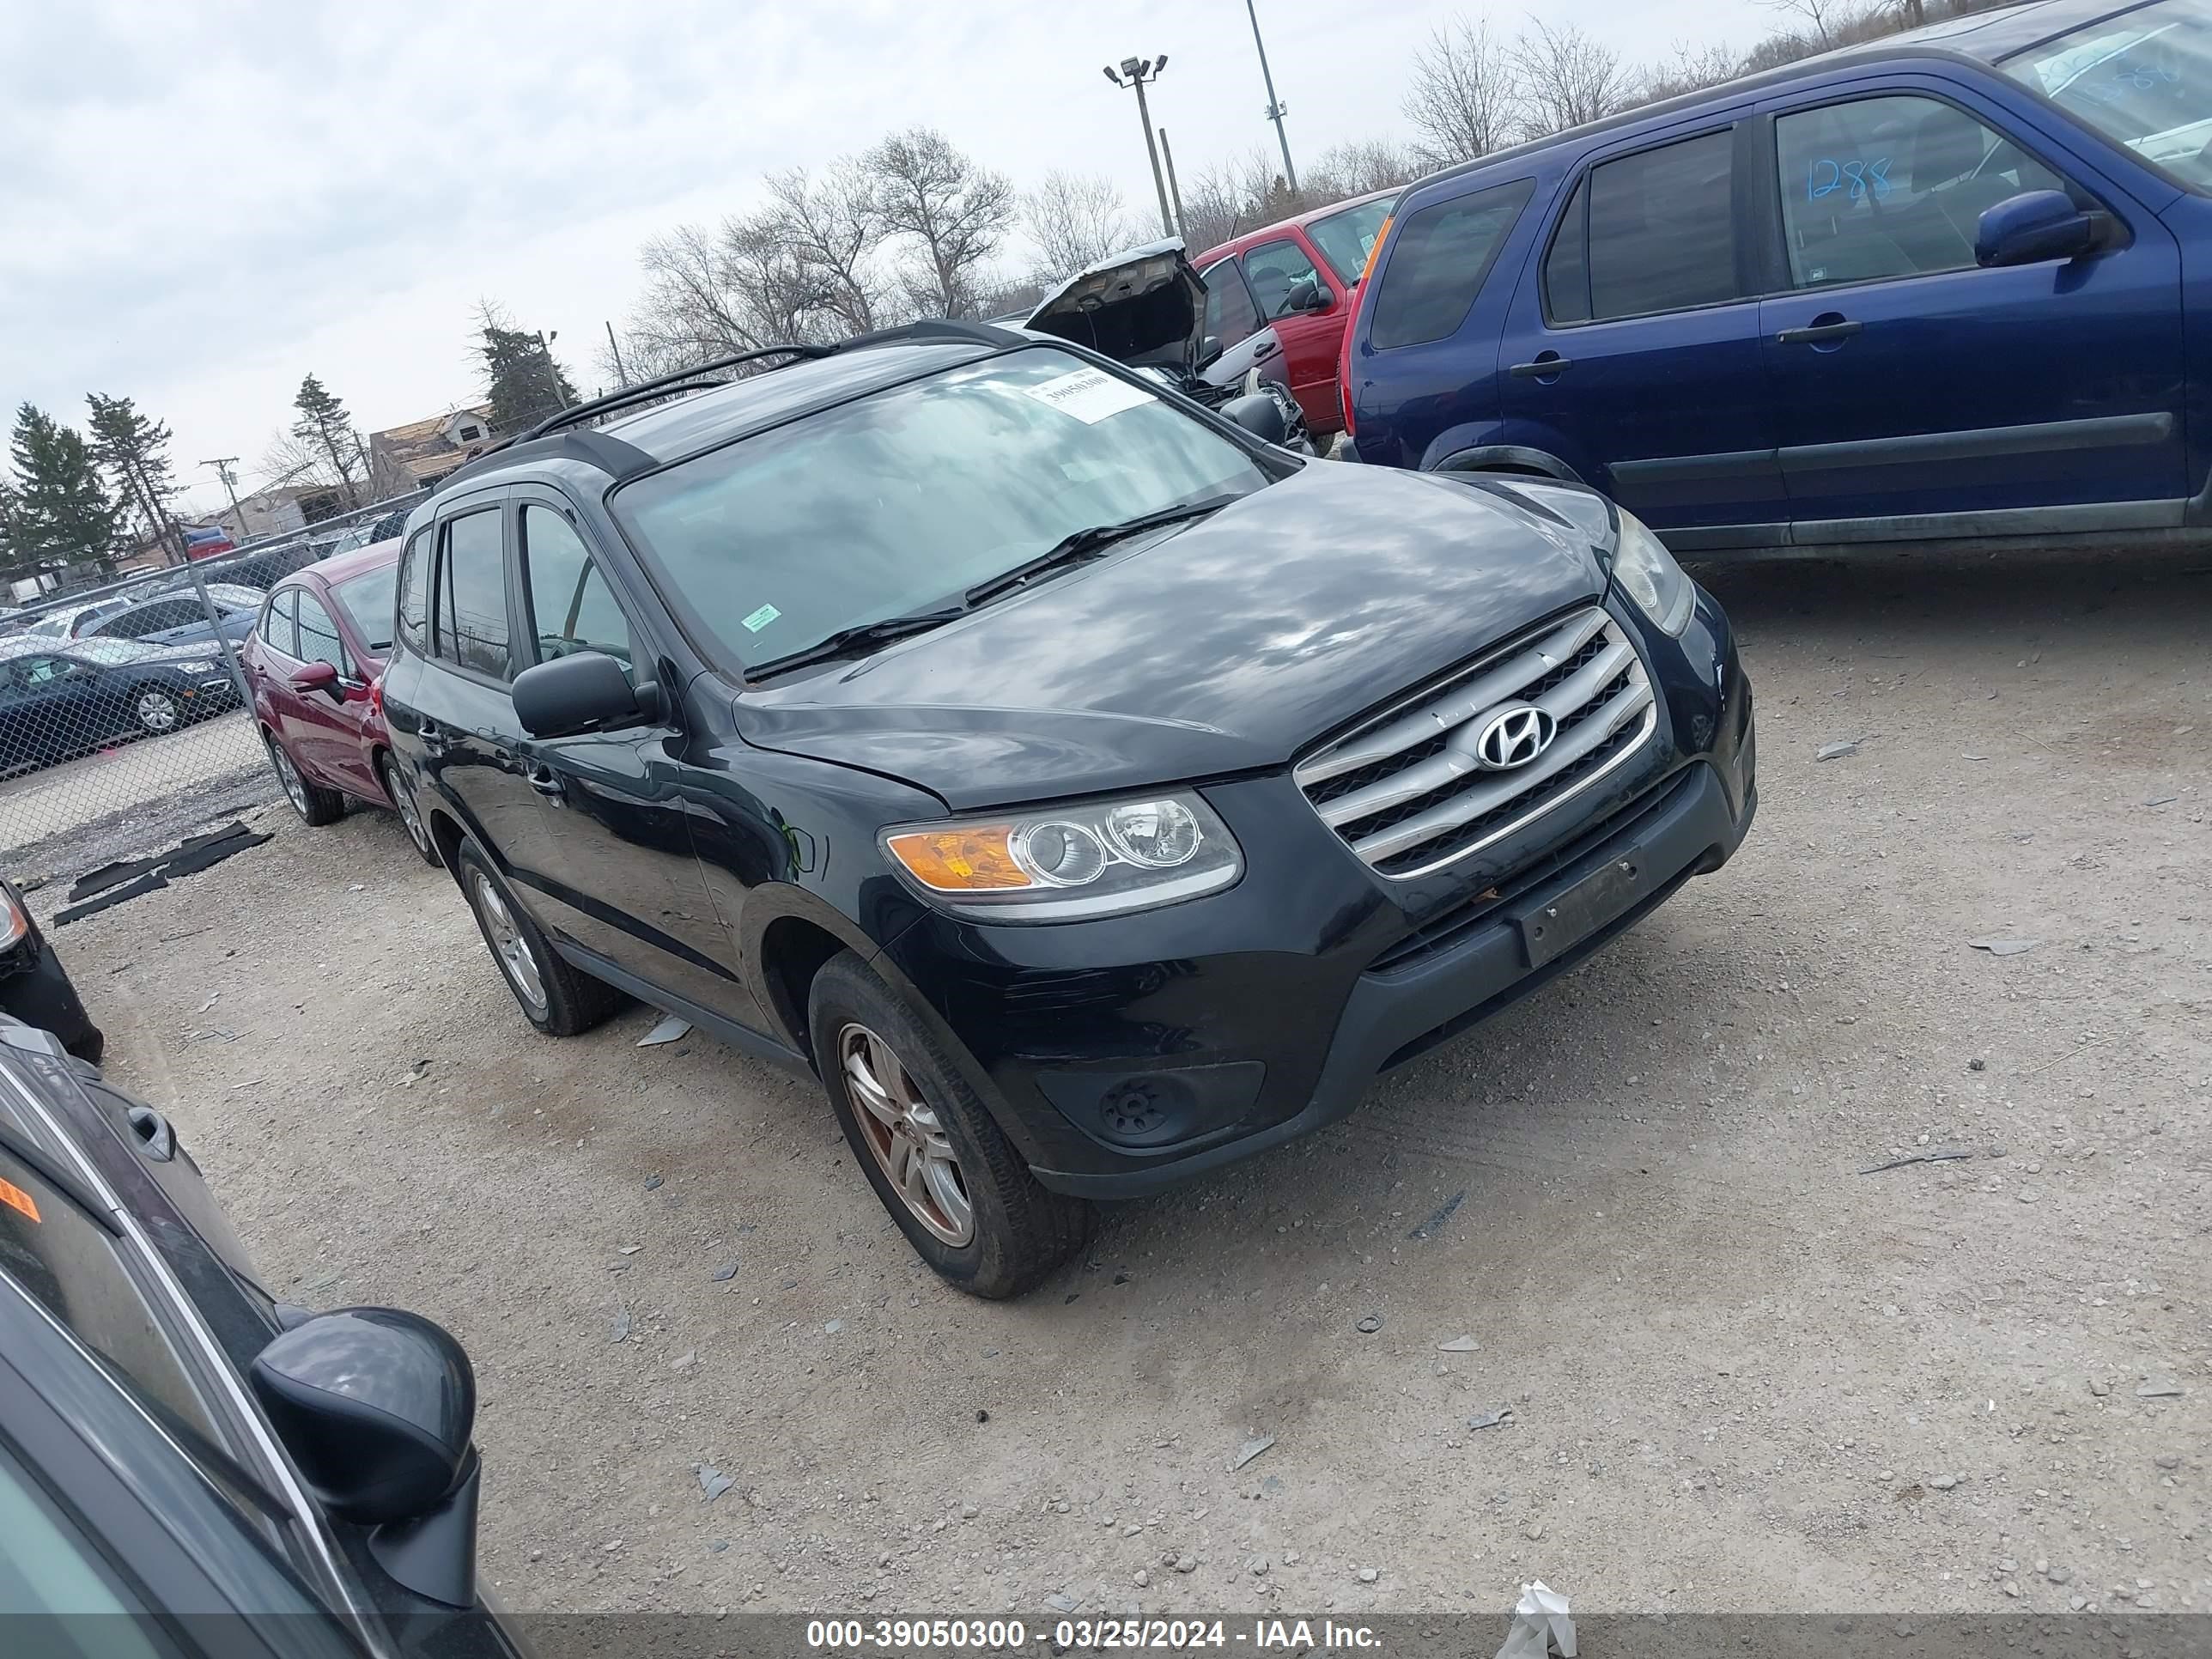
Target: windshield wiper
x=846 y=641
x=1084 y=546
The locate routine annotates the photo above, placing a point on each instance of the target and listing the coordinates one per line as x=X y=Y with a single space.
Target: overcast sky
x=203 y=200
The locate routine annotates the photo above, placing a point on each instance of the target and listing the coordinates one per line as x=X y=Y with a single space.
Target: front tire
x=553 y=996
x=411 y=816
x=927 y=1143
x=315 y=805
x=155 y=711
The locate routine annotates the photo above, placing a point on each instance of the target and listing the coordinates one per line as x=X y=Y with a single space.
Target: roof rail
x=932 y=329
x=684 y=380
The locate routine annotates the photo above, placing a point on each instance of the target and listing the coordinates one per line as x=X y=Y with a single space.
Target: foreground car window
x=901 y=501
x=2138 y=78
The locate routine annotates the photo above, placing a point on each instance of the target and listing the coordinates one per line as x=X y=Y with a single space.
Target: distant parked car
x=1948 y=286
x=176 y=618
x=1147 y=308
x=34 y=986
x=188 y=1467
x=313 y=665
x=62 y=699
x=1296 y=277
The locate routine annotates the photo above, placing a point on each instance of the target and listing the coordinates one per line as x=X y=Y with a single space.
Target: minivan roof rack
x=687 y=379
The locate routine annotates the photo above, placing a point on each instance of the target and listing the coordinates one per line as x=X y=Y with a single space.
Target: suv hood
x=1143 y=307
x=1222 y=646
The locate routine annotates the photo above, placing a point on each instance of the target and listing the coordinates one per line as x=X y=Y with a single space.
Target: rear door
x=1631 y=349
x=620 y=875
x=1233 y=325
x=1918 y=395
x=333 y=743
x=1309 y=339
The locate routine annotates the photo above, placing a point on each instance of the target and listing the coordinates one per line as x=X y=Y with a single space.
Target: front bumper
x=1124 y=1055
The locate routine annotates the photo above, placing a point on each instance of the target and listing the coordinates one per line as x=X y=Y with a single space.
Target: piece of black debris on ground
x=1439 y=1216
x=112 y=884
x=1947 y=1155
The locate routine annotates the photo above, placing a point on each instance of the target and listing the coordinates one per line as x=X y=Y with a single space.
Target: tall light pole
x=1138 y=71
x=1276 y=107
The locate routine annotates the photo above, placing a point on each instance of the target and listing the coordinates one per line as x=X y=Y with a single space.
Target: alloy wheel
x=157 y=711
x=508 y=944
x=905 y=1134
x=295 y=787
x=403 y=802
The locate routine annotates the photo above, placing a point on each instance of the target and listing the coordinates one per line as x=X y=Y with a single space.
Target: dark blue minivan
x=1952 y=286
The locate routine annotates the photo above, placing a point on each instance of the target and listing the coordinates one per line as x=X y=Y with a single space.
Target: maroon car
x=315 y=664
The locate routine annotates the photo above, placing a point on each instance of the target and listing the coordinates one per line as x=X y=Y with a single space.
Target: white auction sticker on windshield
x=1089 y=395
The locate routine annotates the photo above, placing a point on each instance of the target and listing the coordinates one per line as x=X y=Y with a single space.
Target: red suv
x=315 y=665
x=1298 y=276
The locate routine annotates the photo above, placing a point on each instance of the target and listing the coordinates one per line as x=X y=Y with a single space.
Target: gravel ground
x=1741 y=1372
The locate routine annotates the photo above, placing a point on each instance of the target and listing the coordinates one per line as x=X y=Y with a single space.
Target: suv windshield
x=1346 y=239
x=2143 y=79
x=901 y=501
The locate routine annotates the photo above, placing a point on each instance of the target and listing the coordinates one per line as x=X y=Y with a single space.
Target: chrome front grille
x=1406 y=791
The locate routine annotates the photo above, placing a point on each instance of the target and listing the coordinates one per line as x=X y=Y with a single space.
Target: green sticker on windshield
x=761 y=619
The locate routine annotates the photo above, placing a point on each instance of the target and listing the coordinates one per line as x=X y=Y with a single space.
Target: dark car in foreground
x=1944 y=287
x=34 y=986
x=1088 y=792
x=62 y=698
x=187 y=1467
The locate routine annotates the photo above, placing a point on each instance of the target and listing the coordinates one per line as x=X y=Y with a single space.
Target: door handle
x=548 y=782
x=156 y=1138
x=433 y=740
x=1819 y=333
x=1546 y=363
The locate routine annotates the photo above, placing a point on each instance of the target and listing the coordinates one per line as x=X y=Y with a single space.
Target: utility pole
x=621 y=374
x=1139 y=71
x=1276 y=108
x=223 y=466
x=1175 y=190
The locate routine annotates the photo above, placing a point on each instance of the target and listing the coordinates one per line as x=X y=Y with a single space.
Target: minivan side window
x=1231 y=316
x=472 y=594
x=1659 y=236
x=1891 y=187
x=1438 y=262
x=571 y=607
x=414 y=592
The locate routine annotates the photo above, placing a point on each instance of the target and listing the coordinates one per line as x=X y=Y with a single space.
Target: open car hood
x=1144 y=306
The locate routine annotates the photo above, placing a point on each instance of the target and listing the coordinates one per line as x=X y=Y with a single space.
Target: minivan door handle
x=1821 y=331
x=1547 y=364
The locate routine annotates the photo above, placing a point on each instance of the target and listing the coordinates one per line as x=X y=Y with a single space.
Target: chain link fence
x=126 y=721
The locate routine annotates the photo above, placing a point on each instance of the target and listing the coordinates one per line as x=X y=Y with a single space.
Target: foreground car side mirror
x=578 y=693
x=1209 y=352
x=2034 y=226
x=375 y=1407
x=1259 y=415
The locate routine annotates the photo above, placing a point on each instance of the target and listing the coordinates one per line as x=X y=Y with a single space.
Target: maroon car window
x=471 y=606
x=1274 y=268
x=319 y=635
x=571 y=608
x=275 y=625
x=1231 y=316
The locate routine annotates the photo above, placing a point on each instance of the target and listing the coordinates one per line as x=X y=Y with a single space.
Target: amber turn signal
x=974 y=859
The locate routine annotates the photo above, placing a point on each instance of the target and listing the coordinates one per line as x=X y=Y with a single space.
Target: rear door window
x=1661 y=229
x=276 y=624
x=472 y=630
x=1231 y=316
x=1438 y=262
x=1274 y=268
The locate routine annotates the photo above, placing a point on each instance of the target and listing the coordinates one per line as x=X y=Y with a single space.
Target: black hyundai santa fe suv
x=1088 y=791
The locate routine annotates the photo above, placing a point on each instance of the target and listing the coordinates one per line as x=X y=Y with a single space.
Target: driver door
x=1310 y=338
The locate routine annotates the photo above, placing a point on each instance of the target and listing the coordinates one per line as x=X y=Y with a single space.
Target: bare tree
x=1075 y=220
x=954 y=213
x=1821 y=16
x=834 y=229
x=1689 y=70
x=1465 y=97
x=1567 y=78
x=1356 y=168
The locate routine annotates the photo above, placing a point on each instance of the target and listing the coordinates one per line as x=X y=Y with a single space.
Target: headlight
x=196 y=667
x=1065 y=863
x=14 y=923
x=1643 y=569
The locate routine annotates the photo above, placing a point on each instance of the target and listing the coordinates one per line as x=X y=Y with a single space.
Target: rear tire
x=943 y=1168
x=553 y=996
x=315 y=805
x=155 y=711
x=410 y=818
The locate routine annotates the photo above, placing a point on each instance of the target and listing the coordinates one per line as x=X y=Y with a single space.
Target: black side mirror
x=1209 y=352
x=2032 y=226
x=1259 y=415
x=578 y=693
x=376 y=1406
x=1306 y=295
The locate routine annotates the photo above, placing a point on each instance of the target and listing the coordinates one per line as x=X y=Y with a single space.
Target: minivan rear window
x=1438 y=261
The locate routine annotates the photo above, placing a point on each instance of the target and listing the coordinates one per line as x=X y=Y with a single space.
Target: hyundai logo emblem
x=1513 y=736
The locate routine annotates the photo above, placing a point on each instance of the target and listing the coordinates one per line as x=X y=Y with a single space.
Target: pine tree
x=60 y=512
x=134 y=450
x=522 y=382
x=325 y=427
